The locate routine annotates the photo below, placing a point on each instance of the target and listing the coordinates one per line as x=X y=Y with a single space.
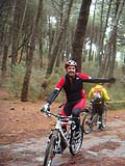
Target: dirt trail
x=23 y=138
x=99 y=148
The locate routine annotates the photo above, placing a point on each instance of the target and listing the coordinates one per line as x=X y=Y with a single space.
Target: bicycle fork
x=63 y=135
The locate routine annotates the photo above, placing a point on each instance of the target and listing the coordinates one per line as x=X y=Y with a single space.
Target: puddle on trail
x=31 y=152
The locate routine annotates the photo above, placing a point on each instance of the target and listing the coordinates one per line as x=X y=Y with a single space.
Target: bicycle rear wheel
x=50 y=150
x=76 y=141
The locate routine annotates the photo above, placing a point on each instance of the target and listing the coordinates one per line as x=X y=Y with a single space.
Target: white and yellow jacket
x=101 y=90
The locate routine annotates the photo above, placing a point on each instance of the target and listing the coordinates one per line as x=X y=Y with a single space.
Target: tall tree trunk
x=24 y=94
x=4 y=61
x=20 y=10
x=15 y=32
x=2 y=4
x=92 y=33
x=40 y=37
x=80 y=32
x=5 y=14
x=51 y=34
x=101 y=55
x=110 y=56
x=61 y=47
x=58 y=41
x=41 y=52
x=113 y=38
x=102 y=22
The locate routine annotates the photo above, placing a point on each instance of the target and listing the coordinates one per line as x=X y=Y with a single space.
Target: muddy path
x=99 y=148
x=23 y=138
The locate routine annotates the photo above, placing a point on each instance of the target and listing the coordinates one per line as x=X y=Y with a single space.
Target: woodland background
x=38 y=36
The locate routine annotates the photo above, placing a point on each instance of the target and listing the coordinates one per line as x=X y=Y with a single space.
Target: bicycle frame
x=59 y=128
x=59 y=140
x=94 y=120
x=61 y=120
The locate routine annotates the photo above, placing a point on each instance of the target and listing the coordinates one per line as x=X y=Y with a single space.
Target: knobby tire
x=76 y=142
x=50 y=154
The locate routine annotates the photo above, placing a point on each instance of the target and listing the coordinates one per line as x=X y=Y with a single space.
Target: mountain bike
x=93 y=120
x=61 y=137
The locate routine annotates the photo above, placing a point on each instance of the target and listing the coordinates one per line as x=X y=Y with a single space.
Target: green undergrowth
x=116 y=105
x=40 y=87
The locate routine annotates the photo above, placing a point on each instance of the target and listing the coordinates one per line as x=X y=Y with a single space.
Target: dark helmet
x=70 y=63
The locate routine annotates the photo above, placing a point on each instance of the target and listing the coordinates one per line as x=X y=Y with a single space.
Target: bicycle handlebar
x=62 y=117
x=56 y=115
x=48 y=112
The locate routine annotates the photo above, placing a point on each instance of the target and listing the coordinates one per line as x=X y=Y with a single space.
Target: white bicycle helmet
x=70 y=63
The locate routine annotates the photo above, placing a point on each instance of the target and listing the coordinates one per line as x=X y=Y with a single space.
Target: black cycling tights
x=75 y=114
x=68 y=109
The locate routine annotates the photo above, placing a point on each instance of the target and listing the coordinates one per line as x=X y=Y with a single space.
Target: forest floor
x=24 y=130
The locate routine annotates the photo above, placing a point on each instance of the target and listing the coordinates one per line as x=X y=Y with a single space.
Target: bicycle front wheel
x=104 y=119
x=50 y=153
x=95 y=122
x=76 y=141
x=86 y=123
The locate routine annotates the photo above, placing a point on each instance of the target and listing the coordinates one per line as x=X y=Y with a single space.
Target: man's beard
x=71 y=74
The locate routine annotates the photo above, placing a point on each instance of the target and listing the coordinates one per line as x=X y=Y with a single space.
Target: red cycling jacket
x=73 y=87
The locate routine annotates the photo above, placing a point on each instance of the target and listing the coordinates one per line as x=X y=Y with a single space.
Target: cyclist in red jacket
x=72 y=83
